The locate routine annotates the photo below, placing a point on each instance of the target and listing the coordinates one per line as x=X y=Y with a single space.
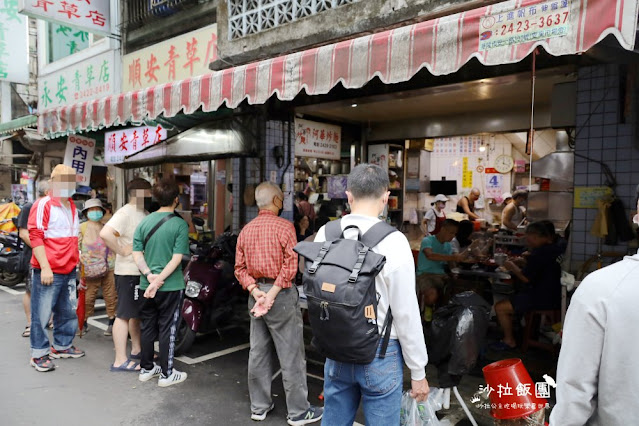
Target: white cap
x=439 y=197
x=506 y=195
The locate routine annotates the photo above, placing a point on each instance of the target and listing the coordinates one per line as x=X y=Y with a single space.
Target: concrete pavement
x=83 y=391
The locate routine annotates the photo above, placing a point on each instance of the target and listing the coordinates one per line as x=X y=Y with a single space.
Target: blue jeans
x=60 y=299
x=378 y=384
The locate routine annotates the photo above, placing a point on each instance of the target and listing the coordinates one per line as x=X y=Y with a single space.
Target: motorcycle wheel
x=184 y=338
x=9 y=279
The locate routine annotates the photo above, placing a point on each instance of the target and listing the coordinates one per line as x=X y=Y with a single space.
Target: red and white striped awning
x=496 y=34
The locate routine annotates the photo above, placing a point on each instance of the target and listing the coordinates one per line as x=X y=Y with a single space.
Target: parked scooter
x=211 y=291
x=11 y=247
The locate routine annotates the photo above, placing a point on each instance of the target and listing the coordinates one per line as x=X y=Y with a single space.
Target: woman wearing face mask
x=97 y=263
x=435 y=217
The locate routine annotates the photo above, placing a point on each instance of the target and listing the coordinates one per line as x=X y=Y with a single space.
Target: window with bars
x=248 y=17
x=145 y=11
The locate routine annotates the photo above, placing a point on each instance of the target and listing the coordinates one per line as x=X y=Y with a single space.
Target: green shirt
x=427 y=266
x=171 y=238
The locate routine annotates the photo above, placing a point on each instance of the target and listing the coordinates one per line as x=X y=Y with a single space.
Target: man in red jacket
x=53 y=231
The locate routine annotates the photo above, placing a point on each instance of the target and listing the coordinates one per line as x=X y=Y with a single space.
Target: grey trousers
x=279 y=332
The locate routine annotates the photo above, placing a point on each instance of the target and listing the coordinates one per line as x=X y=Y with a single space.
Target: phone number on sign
x=527 y=25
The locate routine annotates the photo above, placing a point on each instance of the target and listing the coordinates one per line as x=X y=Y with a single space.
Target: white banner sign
x=84 y=81
x=122 y=143
x=14 y=44
x=91 y=15
x=79 y=155
x=175 y=59
x=318 y=140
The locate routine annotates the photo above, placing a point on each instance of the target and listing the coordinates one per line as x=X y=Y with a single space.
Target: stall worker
x=541 y=276
x=435 y=217
x=466 y=205
x=434 y=252
x=514 y=214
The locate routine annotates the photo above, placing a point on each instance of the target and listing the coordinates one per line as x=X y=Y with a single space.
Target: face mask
x=148 y=204
x=65 y=192
x=95 y=215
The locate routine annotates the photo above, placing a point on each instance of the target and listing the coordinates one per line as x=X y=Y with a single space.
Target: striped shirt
x=265 y=250
x=56 y=228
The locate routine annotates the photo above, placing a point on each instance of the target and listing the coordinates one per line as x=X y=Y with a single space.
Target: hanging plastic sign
x=122 y=143
x=93 y=16
x=79 y=155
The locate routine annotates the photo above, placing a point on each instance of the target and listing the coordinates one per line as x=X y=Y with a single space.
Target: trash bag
x=457 y=331
x=415 y=413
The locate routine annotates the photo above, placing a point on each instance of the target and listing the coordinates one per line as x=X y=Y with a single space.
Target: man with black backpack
x=359 y=270
x=159 y=243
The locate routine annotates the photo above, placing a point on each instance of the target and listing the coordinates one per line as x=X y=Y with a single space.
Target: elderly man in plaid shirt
x=265 y=265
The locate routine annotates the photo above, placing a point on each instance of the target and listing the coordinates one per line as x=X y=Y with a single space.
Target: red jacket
x=51 y=226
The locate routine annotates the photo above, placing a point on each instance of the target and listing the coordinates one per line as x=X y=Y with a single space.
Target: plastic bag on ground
x=415 y=413
x=457 y=331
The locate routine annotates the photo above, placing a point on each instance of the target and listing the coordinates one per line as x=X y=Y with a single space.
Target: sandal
x=125 y=367
x=27 y=331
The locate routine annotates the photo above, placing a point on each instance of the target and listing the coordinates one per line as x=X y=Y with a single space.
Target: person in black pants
x=159 y=243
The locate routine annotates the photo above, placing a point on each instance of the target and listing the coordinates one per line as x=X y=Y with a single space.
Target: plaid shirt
x=265 y=250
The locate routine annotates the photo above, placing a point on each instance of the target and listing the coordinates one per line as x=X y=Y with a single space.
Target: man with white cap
x=514 y=214
x=435 y=217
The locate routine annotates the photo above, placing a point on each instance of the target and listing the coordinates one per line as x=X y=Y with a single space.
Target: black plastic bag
x=457 y=332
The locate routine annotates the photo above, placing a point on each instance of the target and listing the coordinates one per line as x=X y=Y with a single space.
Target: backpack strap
x=320 y=256
x=333 y=230
x=386 y=331
x=377 y=233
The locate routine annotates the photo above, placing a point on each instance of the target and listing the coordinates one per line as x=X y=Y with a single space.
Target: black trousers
x=160 y=317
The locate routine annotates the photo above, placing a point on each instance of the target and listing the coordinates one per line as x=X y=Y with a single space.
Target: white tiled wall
x=274 y=135
x=601 y=136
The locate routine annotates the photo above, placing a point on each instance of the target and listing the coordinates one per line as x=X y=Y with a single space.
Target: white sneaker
x=258 y=417
x=175 y=378
x=146 y=375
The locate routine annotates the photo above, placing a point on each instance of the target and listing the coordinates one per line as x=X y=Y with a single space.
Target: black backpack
x=339 y=282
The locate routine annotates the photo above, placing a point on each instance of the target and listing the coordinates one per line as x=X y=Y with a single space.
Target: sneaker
x=258 y=417
x=109 y=330
x=72 y=352
x=175 y=378
x=146 y=375
x=81 y=332
x=43 y=363
x=312 y=415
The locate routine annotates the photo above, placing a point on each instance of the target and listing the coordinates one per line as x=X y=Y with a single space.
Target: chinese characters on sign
x=91 y=15
x=84 y=81
x=524 y=25
x=318 y=140
x=64 y=41
x=79 y=155
x=122 y=143
x=494 y=185
x=181 y=57
x=14 y=51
